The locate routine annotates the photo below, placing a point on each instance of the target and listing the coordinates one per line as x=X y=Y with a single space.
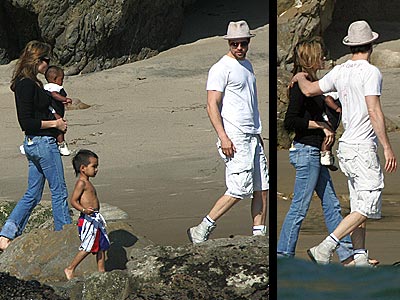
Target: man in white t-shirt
x=233 y=111
x=359 y=85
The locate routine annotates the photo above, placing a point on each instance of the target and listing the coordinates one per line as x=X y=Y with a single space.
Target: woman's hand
x=61 y=125
x=329 y=134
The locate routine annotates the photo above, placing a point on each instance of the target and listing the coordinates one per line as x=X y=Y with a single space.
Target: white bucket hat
x=359 y=33
x=238 y=30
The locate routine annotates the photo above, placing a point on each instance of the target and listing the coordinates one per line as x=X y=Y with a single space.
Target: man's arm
x=214 y=102
x=307 y=87
x=378 y=123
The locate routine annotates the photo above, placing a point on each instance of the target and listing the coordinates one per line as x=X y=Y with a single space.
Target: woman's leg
x=305 y=159
x=19 y=217
x=53 y=170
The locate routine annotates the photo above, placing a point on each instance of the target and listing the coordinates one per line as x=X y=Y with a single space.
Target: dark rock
x=232 y=268
x=89 y=36
x=14 y=288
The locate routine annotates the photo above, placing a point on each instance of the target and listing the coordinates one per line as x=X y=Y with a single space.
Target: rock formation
x=230 y=268
x=91 y=35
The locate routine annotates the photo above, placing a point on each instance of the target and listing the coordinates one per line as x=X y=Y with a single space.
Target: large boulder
x=234 y=268
x=231 y=268
x=311 y=19
x=91 y=35
x=42 y=254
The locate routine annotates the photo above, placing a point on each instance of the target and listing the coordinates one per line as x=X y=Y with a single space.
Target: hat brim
x=227 y=37
x=348 y=43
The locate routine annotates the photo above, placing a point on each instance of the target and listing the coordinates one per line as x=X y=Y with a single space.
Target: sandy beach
x=148 y=124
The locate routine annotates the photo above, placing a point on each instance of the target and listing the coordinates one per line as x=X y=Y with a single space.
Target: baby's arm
x=77 y=196
x=331 y=103
x=57 y=96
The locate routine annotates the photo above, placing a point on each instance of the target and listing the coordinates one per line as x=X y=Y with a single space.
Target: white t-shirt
x=236 y=80
x=52 y=87
x=353 y=80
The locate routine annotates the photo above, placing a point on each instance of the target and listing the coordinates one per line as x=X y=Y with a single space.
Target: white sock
x=360 y=251
x=333 y=237
x=257 y=229
x=208 y=220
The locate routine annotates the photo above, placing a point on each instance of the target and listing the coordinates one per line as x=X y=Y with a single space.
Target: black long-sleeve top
x=301 y=110
x=32 y=104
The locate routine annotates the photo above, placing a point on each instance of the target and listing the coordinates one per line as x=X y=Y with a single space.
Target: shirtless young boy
x=91 y=224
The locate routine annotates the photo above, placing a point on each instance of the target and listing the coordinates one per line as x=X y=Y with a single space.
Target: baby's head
x=55 y=75
x=83 y=159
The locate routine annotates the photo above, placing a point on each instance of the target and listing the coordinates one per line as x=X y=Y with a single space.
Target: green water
x=299 y=279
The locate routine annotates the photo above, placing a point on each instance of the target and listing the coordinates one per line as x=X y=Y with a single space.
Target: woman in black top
x=304 y=117
x=40 y=145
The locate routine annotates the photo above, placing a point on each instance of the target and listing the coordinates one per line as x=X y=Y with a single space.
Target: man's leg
x=201 y=232
x=323 y=252
x=259 y=212
x=222 y=205
x=350 y=223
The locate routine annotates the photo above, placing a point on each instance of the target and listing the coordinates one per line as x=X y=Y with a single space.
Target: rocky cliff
x=91 y=35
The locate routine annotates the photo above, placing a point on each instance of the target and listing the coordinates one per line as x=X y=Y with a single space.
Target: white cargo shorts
x=247 y=170
x=360 y=163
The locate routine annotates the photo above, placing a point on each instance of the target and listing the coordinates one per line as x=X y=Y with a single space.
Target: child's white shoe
x=328 y=160
x=22 y=149
x=63 y=148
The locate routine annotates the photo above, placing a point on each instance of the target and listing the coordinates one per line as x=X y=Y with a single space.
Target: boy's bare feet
x=4 y=243
x=69 y=273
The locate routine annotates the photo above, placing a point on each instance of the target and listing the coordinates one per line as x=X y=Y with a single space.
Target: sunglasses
x=45 y=59
x=236 y=44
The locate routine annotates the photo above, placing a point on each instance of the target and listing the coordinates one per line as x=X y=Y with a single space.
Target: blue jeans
x=44 y=163
x=310 y=177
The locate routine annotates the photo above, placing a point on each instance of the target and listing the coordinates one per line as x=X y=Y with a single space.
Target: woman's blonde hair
x=28 y=62
x=307 y=57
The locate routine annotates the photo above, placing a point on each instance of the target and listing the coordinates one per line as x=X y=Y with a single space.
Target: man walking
x=359 y=86
x=232 y=107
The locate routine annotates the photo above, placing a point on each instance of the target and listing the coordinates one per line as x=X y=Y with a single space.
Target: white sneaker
x=22 y=149
x=362 y=260
x=200 y=233
x=260 y=231
x=63 y=148
x=322 y=254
